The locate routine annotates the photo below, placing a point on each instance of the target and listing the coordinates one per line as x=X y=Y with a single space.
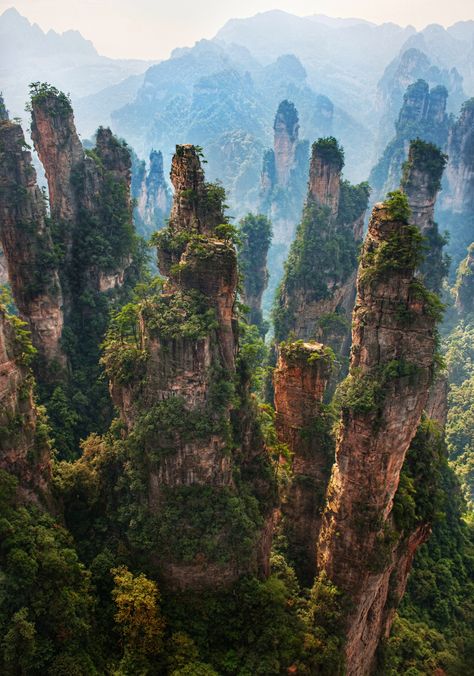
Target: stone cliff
x=153 y=197
x=317 y=293
x=422 y=116
x=382 y=400
x=457 y=201
x=24 y=446
x=255 y=233
x=421 y=183
x=25 y=235
x=300 y=380
x=283 y=178
x=465 y=284
x=183 y=395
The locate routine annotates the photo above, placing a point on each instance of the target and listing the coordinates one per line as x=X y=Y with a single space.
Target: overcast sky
x=151 y=28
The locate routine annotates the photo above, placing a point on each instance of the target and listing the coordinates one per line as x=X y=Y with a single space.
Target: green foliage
x=329 y=150
x=397 y=206
x=42 y=92
x=427 y=158
x=353 y=201
x=46 y=604
x=138 y=618
x=320 y=257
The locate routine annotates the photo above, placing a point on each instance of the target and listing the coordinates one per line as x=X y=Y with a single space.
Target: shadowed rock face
x=460 y=172
x=300 y=380
x=187 y=346
x=421 y=183
x=26 y=241
x=382 y=402
x=286 y=127
x=154 y=196
x=23 y=451
x=284 y=171
x=465 y=284
x=317 y=293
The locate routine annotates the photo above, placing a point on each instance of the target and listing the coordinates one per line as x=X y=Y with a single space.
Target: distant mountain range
x=346 y=78
x=66 y=60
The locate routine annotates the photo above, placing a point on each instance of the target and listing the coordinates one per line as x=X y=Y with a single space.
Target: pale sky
x=149 y=29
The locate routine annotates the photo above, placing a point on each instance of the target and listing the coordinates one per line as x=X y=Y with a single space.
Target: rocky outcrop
x=382 y=402
x=283 y=178
x=422 y=116
x=421 y=183
x=153 y=197
x=300 y=380
x=255 y=233
x=460 y=172
x=24 y=447
x=27 y=244
x=174 y=381
x=457 y=201
x=317 y=293
x=465 y=284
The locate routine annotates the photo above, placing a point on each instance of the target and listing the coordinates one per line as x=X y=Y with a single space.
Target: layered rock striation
x=391 y=371
x=153 y=196
x=302 y=423
x=421 y=183
x=25 y=234
x=24 y=446
x=317 y=293
x=284 y=171
x=255 y=233
x=183 y=397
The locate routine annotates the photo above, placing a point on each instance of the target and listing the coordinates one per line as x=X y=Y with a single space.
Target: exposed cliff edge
x=422 y=115
x=317 y=292
x=382 y=401
x=283 y=178
x=25 y=234
x=24 y=444
x=192 y=438
x=302 y=423
x=255 y=235
x=457 y=201
x=421 y=183
x=152 y=194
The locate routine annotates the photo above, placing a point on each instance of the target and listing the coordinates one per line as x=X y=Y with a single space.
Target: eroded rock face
x=421 y=183
x=205 y=443
x=154 y=199
x=465 y=284
x=318 y=290
x=300 y=380
x=60 y=150
x=284 y=171
x=325 y=177
x=460 y=171
x=24 y=451
x=285 y=127
x=28 y=247
x=382 y=402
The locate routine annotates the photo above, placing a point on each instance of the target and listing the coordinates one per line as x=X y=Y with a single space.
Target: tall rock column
x=24 y=447
x=284 y=171
x=393 y=345
x=421 y=183
x=255 y=234
x=26 y=241
x=317 y=293
x=300 y=380
x=196 y=463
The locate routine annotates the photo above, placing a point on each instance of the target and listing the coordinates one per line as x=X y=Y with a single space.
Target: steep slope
x=25 y=236
x=318 y=289
x=191 y=437
x=382 y=402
